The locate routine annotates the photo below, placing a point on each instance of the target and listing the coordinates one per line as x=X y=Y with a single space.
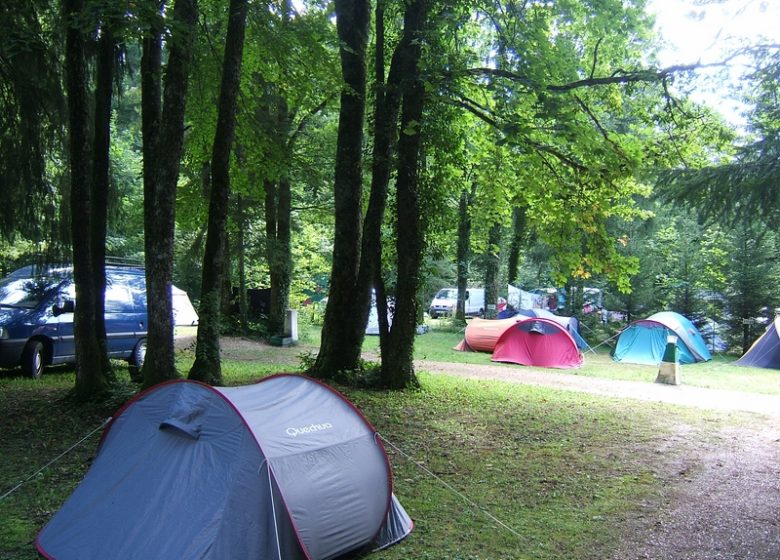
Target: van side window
x=467 y=295
x=118 y=300
x=139 y=300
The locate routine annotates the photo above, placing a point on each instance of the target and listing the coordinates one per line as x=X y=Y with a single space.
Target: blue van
x=36 y=317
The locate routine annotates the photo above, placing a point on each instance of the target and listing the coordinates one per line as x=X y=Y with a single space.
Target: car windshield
x=447 y=293
x=27 y=292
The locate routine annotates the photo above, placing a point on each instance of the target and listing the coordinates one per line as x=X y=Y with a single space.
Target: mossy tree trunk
x=338 y=350
x=91 y=380
x=397 y=363
x=207 y=366
x=163 y=129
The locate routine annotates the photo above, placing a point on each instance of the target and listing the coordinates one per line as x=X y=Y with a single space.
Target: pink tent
x=537 y=342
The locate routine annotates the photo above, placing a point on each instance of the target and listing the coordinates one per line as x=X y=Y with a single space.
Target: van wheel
x=136 y=360
x=33 y=360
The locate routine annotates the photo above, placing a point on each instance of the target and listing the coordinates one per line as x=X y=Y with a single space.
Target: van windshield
x=26 y=293
x=447 y=293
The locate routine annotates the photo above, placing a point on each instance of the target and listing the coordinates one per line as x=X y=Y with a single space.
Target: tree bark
x=388 y=103
x=397 y=364
x=91 y=380
x=278 y=202
x=207 y=366
x=492 y=267
x=278 y=210
x=160 y=207
x=464 y=249
x=518 y=236
x=243 y=304
x=104 y=83
x=151 y=115
x=337 y=347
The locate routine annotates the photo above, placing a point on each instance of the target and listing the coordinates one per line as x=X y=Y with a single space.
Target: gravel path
x=721 y=498
x=724 y=504
x=684 y=395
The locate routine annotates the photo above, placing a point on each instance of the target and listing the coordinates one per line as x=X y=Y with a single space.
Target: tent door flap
x=179 y=428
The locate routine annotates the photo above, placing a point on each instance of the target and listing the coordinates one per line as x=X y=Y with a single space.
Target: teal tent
x=644 y=341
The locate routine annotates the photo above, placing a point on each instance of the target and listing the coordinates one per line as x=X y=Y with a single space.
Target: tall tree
x=518 y=236
x=162 y=154
x=367 y=270
x=278 y=205
x=91 y=379
x=101 y=171
x=338 y=348
x=207 y=366
x=751 y=278
x=492 y=263
x=397 y=364
x=463 y=254
x=388 y=98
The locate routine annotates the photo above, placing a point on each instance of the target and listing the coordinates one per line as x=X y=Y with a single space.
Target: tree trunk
x=207 y=366
x=277 y=233
x=388 y=104
x=160 y=191
x=398 y=364
x=338 y=347
x=90 y=378
x=104 y=83
x=464 y=249
x=279 y=259
x=518 y=236
x=492 y=267
x=151 y=115
x=243 y=306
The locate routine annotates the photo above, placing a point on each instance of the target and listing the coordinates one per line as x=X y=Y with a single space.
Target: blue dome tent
x=286 y=469
x=644 y=341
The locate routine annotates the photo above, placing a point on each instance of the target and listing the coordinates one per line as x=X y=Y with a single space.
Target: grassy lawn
x=563 y=472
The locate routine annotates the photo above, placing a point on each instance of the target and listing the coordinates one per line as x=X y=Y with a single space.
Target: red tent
x=537 y=342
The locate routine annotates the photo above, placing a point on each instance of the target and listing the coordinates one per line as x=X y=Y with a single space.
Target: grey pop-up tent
x=283 y=469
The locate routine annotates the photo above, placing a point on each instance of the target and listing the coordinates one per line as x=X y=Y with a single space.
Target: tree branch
x=307 y=118
x=619 y=76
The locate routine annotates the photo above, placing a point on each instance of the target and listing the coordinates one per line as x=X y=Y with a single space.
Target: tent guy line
x=57 y=458
x=449 y=487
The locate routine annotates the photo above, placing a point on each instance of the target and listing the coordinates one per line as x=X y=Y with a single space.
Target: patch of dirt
x=247 y=349
x=721 y=501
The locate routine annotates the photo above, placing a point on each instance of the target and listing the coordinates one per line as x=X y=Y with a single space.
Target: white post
x=291 y=325
x=669 y=370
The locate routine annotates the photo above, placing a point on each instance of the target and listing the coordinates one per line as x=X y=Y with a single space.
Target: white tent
x=520 y=299
x=184 y=314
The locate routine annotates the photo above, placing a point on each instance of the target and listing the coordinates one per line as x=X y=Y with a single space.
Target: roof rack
x=125 y=261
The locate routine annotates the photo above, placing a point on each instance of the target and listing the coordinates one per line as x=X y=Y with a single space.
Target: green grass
x=564 y=471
